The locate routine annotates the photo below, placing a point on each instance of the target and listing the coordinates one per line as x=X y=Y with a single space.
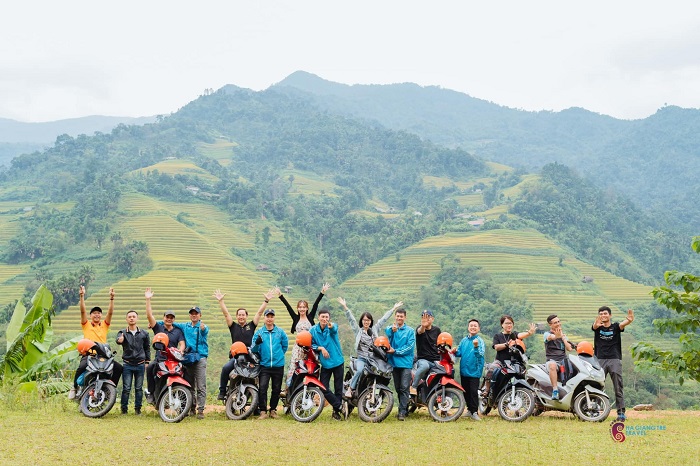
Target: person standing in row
x=471 y=350
x=136 y=346
x=270 y=343
x=240 y=330
x=324 y=337
x=403 y=342
x=196 y=339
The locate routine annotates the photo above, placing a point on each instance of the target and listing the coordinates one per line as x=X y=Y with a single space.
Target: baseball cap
x=428 y=312
x=169 y=313
x=96 y=309
x=269 y=311
x=195 y=309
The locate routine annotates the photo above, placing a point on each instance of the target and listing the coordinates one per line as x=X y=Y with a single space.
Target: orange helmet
x=304 y=338
x=444 y=339
x=585 y=347
x=521 y=344
x=84 y=346
x=238 y=348
x=160 y=338
x=382 y=342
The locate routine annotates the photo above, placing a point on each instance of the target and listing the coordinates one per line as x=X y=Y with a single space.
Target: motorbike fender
x=177 y=379
x=595 y=390
x=99 y=382
x=249 y=385
x=450 y=381
x=308 y=380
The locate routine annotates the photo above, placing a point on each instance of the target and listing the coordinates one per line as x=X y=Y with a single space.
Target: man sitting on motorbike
x=426 y=348
x=555 y=347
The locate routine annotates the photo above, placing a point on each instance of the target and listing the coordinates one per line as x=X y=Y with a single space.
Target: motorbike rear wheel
x=597 y=412
x=241 y=405
x=516 y=408
x=449 y=408
x=94 y=403
x=179 y=407
x=378 y=409
x=307 y=407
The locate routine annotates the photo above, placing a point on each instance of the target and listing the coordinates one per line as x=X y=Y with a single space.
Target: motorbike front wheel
x=241 y=405
x=305 y=407
x=516 y=406
x=448 y=408
x=597 y=411
x=375 y=408
x=174 y=408
x=97 y=403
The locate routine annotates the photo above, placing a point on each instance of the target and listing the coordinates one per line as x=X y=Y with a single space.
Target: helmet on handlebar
x=521 y=344
x=304 y=339
x=382 y=342
x=585 y=347
x=162 y=339
x=84 y=346
x=238 y=348
x=444 y=339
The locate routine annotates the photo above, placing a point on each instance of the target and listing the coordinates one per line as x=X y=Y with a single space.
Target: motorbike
x=242 y=391
x=172 y=394
x=581 y=382
x=97 y=393
x=304 y=398
x=440 y=392
x=509 y=391
x=372 y=397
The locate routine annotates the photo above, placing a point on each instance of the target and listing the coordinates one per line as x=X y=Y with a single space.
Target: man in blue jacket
x=270 y=343
x=324 y=337
x=403 y=342
x=471 y=349
x=196 y=334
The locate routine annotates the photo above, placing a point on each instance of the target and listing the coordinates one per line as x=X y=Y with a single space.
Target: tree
x=28 y=359
x=680 y=296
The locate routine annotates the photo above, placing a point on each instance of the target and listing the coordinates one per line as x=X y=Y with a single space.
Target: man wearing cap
x=426 y=348
x=270 y=343
x=176 y=339
x=240 y=331
x=94 y=329
x=324 y=337
x=196 y=334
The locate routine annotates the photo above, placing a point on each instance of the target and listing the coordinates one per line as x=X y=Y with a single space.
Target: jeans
x=402 y=381
x=276 y=374
x=614 y=368
x=471 y=387
x=225 y=371
x=422 y=368
x=334 y=398
x=360 y=366
x=132 y=372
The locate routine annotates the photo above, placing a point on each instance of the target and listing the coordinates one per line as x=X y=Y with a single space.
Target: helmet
x=382 y=342
x=585 y=347
x=521 y=344
x=444 y=339
x=161 y=338
x=304 y=338
x=85 y=345
x=238 y=348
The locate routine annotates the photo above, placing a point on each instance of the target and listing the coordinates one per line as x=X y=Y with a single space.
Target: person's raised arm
x=268 y=296
x=529 y=333
x=279 y=294
x=224 y=310
x=149 y=311
x=83 y=312
x=380 y=323
x=324 y=288
x=628 y=320
x=351 y=318
x=110 y=309
x=598 y=323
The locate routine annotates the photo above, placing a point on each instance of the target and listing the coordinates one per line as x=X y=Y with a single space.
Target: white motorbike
x=580 y=383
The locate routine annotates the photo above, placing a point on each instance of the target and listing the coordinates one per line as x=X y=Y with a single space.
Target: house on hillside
x=478 y=223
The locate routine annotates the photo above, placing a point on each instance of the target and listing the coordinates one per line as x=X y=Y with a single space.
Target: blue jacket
x=328 y=338
x=472 y=362
x=273 y=347
x=403 y=340
x=191 y=332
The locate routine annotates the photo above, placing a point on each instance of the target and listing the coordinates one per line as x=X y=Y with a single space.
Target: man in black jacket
x=136 y=356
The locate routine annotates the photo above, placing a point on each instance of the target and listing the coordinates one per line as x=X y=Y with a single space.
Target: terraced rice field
x=525 y=262
x=190 y=262
x=308 y=183
x=179 y=167
x=470 y=200
x=10 y=289
x=221 y=151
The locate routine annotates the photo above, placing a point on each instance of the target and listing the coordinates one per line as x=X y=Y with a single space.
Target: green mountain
x=650 y=160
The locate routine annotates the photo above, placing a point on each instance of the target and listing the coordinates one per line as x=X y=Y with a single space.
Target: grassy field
x=59 y=435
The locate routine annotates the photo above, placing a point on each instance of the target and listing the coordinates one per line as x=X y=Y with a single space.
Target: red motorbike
x=172 y=394
x=304 y=397
x=440 y=392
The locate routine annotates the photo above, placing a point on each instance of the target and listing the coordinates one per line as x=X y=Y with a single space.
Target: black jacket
x=295 y=315
x=137 y=347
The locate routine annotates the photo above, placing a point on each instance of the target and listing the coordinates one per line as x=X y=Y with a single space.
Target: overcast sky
x=65 y=59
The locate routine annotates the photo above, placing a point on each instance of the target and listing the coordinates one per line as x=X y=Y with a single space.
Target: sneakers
x=401 y=417
x=273 y=414
x=221 y=396
x=348 y=393
x=475 y=417
x=336 y=415
x=555 y=395
x=137 y=411
x=71 y=394
x=621 y=417
x=124 y=411
x=263 y=415
x=345 y=411
x=200 y=415
x=149 y=398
